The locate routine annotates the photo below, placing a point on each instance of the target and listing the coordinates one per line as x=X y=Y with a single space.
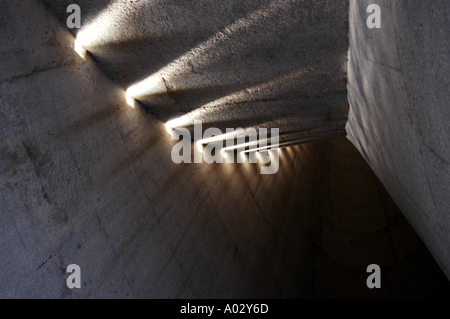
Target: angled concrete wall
x=399 y=117
x=86 y=179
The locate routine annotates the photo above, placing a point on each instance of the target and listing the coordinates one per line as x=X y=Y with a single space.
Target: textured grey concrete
x=228 y=63
x=399 y=118
x=86 y=179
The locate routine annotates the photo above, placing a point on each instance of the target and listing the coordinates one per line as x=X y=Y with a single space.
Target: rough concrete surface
x=228 y=63
x=399 y=118
x=86 y=179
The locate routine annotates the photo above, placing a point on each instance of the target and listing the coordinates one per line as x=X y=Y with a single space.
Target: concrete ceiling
x=227 y=63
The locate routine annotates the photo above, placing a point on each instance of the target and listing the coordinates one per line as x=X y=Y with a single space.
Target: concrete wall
x=399 y=117
x=86 y=179
x=228 y=63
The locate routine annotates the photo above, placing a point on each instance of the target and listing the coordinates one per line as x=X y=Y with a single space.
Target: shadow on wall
x=398 y=94
x=245 y=55
x=345 y=221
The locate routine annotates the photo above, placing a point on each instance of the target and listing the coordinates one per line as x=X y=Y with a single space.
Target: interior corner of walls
x=350 y=135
